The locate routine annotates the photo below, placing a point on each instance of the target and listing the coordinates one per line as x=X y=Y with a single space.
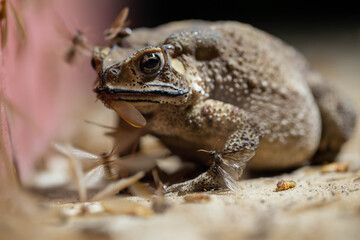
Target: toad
x=196 y=82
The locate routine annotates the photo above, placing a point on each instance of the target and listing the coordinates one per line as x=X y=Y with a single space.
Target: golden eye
x=150 y=63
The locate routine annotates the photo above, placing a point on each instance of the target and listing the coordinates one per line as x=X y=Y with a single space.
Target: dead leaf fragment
x=115 y=187
x=119 y=29
x=356 y=179
x=334 y=167
x=284 y=185
x=124 y=206
x=197 y=198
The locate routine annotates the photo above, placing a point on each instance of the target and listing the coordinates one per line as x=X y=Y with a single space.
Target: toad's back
x=268 y=79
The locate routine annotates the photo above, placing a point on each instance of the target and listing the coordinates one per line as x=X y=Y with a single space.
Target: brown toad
x=196 y=82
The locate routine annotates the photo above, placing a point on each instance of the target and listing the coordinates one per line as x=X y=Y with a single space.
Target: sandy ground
x=321 y=206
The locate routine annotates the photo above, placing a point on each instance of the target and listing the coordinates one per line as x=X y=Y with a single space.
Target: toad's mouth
x=153 y=95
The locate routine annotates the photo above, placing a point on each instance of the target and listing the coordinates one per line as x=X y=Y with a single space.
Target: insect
x=228 y=167
x=119 y=29
x=284 y=185
x=8 y=108
x=79 y=44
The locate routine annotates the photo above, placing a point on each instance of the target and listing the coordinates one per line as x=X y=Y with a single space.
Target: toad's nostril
x=115 y=71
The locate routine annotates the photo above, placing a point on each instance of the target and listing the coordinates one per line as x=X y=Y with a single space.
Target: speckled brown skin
x=227 y=81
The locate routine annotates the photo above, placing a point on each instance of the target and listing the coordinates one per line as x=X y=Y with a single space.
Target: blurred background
x=263 y=14
x=51 y=98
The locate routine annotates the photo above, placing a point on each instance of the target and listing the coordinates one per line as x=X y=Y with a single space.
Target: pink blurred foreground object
x=36 y=79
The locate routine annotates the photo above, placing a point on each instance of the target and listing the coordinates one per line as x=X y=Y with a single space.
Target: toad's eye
x=150 y=63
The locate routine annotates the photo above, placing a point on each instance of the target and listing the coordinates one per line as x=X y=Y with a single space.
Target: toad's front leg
x=217 y=120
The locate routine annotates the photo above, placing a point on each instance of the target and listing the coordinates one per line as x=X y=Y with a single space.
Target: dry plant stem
x=10 y=170
x=115 y=187
x=19 y=22
x=78 y=175
x=13 y=109
x=9 y=166
x=9 y=159
x=158 y=183
x=3 y=23
x=156 y=177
